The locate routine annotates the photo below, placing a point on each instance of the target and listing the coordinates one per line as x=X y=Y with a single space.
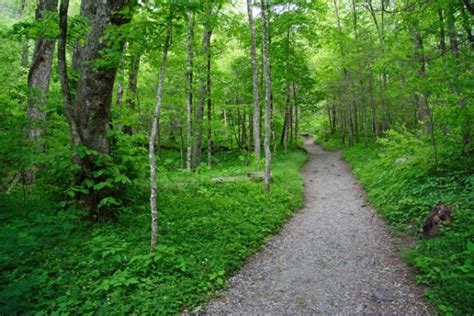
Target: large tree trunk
x=268 y=95
x=189 y=88
x=94 y=91
x=153 y=134
x=38 y=83
x=255 y=92
x=89 y=113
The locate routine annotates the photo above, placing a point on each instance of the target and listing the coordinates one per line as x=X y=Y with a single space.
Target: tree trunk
x=38 y=83
x=153 y=134
x=198 y=124
x=442 y=36
x=133 y=81
x=373 y=105
x=88 y=115
x=469 y=6
x=189 y=88
x=24 y=45
x=268 y=94
x=256 y=97
x=453 y=40
x=424 y=109
x=209 y=112
x=364 y=112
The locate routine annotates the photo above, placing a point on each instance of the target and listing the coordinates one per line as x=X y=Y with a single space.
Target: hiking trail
x=334 y=256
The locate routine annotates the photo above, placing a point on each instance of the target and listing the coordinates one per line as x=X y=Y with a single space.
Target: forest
x=149 y=148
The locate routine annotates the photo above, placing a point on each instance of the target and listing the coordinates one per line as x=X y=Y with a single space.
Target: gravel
x=333 y=257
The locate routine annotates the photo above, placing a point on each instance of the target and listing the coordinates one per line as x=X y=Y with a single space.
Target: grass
x=52 y=261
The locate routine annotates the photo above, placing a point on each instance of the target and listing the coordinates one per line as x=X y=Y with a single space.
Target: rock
x=382 y=296
x=439 y=215
x=402 y=160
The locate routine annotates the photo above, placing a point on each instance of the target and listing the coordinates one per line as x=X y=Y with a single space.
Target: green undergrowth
x=53 y=261
x=403 y=183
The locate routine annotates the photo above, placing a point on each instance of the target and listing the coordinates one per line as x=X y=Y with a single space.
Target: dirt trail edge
x=333 y=257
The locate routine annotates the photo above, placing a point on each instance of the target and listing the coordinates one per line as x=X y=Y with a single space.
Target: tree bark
x=453 y=40
x=38 y=83
x=133 y=81
x=295 y=105
x=209 y=112
x=469 y=6
x=189 y=88
x=442 y=36
x=25 y=44
x=198 y=123
x=153 y=134
x=255 y=92
x=373 y=105
x=89 y=113
x=268 y=95
x=63 y=77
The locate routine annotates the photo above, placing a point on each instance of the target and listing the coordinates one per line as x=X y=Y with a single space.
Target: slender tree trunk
x=364 y=112
x=420 y=99
x=328 y=111
x=182 y=148
x=454 y=46
x=133 y=81
x=373 y=105
x=63 y=77
x=198 y=124
x=453 y=41
x=209 y=112
x=153 y=134
x=295 y=103
x=442 y=36
x=469 y=5
x=119 y=93
x=424 y=109
x=467 y=26
x=189 y=88
x=255 y=91
x=268 y=94
x=25 y=44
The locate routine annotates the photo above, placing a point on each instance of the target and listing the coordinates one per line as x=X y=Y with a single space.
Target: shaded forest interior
x=147 y=148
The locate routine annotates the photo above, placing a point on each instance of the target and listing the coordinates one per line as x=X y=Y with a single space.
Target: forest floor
x=334 y=256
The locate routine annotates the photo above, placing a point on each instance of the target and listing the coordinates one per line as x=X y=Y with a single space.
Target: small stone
x=402 y=160
x=382 y=296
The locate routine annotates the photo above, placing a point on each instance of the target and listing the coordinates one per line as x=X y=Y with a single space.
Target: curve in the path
x=333 y=257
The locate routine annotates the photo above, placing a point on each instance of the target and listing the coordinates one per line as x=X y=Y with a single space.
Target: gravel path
x=333 y=257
